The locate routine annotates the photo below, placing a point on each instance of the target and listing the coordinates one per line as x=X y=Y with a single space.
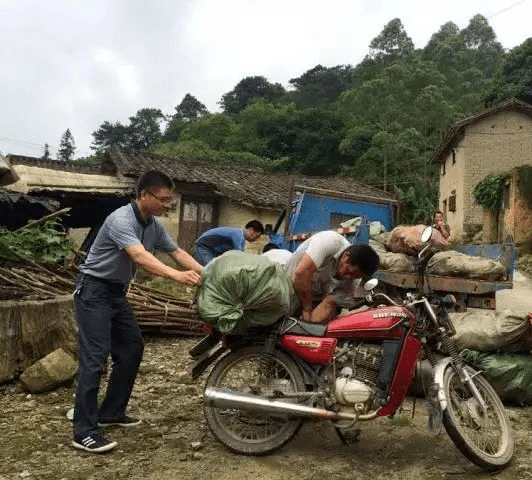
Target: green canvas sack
x=243 y=290
x=510 y=374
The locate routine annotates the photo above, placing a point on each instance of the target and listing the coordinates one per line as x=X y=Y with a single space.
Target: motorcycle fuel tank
x=378 y=323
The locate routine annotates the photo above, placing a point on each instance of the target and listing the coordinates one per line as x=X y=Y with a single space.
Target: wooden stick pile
x=34 y=281
x=156 y=311
x=159 y=311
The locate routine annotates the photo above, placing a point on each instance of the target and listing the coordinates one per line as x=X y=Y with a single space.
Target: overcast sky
x=75 y=64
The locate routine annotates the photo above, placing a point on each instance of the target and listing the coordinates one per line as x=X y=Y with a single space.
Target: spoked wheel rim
x=254 y=372
x=481 y=426
x=482 y=433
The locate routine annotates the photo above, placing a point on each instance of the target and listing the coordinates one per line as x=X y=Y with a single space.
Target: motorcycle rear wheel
x=251 y=370
x=484 y=437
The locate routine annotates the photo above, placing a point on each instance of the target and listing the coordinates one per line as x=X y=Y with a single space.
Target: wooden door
x=195 y=218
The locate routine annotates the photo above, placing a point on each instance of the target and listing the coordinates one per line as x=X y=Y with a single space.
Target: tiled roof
x=252 y=186
x=458 y=128
x=53 y=164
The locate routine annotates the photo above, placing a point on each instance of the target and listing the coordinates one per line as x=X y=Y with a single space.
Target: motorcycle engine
x=358 y=366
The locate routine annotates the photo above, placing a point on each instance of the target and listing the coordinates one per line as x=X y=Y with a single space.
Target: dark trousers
x=106 y=325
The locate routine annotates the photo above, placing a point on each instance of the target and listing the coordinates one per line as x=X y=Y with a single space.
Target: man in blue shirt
x=106 y=322
x=216 y=241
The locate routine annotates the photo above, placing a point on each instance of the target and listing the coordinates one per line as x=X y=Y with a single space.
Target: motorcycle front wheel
x=484 y=436
x=251 y=370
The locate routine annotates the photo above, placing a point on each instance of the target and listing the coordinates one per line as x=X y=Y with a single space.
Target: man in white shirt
x=276 y=254
x=323 y=269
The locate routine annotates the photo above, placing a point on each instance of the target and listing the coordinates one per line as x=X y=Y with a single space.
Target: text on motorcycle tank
x=390 y=314
x=314 y=350
x=308 y=343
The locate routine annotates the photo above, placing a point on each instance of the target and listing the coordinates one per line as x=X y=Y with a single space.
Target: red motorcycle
x=356 y=368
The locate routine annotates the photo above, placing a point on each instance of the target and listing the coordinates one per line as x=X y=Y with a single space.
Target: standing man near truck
x=216 y=241
x=323 y=269
x=105 y=319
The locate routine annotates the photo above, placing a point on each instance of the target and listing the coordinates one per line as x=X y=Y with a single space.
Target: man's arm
x=186 y=260
x=324 y=311
x=303 y=284
x=151 y=264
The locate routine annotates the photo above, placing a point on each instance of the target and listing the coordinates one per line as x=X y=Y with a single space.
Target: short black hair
x=364 y=257
x=153 y=179
x=255 y=225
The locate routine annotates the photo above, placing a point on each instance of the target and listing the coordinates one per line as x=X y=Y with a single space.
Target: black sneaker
x=94 y=443
x=125 y=421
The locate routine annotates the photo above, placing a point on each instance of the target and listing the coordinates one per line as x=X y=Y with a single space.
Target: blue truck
x=312 y=211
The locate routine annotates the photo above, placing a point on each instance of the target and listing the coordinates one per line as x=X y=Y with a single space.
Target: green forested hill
x=379 y=121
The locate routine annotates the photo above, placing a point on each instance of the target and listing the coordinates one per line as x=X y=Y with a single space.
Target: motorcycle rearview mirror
x=426 y=234
x=371 y=284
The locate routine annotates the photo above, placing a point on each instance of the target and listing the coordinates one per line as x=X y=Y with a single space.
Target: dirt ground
x=173 y=441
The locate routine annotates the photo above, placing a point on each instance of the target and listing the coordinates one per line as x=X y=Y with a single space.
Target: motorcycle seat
x=299 y=327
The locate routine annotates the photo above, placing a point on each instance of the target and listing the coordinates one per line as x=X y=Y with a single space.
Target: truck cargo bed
x=442 y=283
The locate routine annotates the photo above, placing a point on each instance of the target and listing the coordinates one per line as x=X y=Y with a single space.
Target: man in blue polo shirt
x=106 y=322
x=216 y=241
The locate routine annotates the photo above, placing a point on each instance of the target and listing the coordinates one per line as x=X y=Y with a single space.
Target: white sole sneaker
x=88 y=444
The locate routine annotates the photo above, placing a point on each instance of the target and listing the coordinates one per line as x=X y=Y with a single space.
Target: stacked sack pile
x=398 y=250
x=499 y=344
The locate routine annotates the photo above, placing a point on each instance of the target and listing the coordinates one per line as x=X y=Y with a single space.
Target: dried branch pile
x=156 y=311
x=159 y=311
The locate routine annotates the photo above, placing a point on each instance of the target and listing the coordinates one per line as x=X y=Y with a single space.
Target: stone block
x=49 y=372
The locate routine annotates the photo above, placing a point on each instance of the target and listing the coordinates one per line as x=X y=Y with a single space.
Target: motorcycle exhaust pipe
x=221 y=398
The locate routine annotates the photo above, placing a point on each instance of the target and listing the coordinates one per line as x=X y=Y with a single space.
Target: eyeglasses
x=163 y=200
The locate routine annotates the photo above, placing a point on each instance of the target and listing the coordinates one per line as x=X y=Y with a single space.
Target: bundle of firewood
x=159 y=311
x=155 y=310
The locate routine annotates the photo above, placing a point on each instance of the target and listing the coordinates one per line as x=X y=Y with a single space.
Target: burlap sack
x=456 y=264
x=492 y=331
x=396 y=262
x=405 y=239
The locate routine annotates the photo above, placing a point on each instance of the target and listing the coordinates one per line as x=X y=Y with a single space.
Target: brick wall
x=495 y=144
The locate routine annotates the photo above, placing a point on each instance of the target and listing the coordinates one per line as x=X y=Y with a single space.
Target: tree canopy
x=378 y=122
x=514 y=76
x=188 y=110
x=143 y=131
x=249 y=89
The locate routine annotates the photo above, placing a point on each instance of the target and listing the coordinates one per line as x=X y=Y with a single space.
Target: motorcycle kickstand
x=348 y=437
